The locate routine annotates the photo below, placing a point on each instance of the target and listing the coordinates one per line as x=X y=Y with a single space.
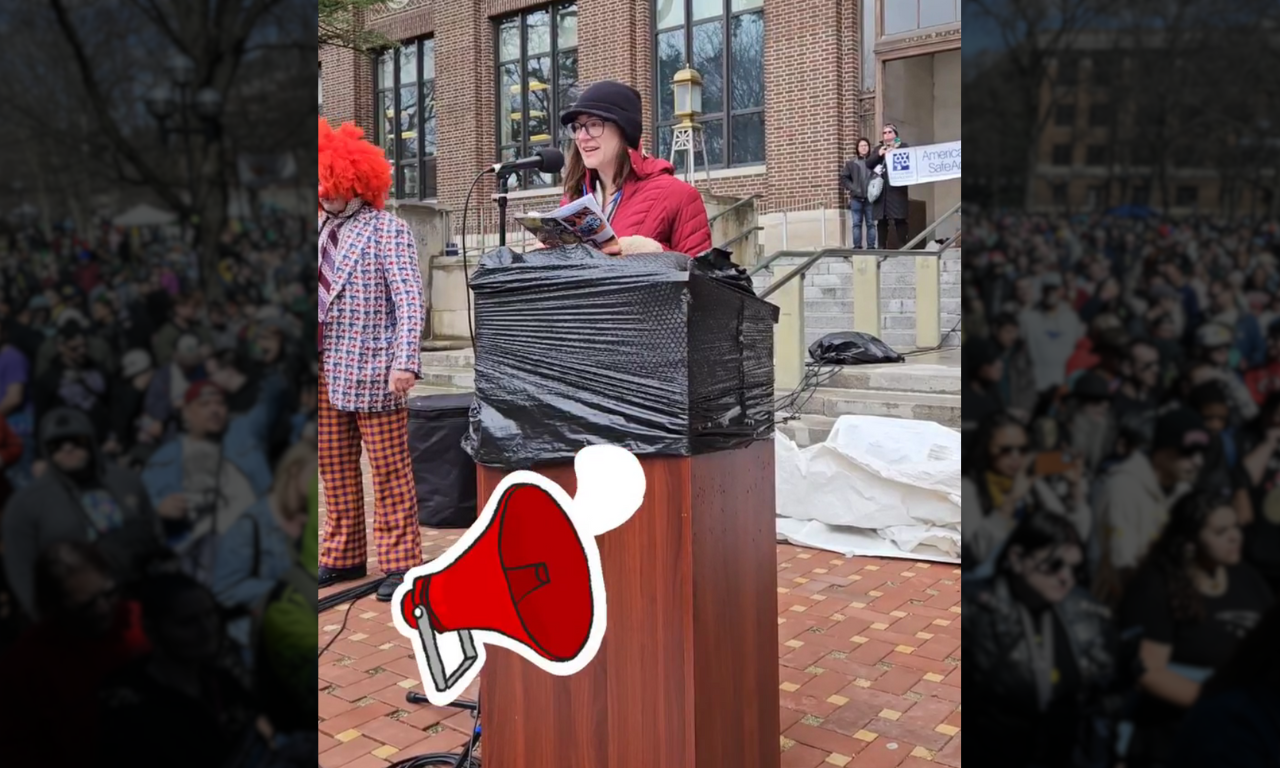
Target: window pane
x=516 y=180
x=428 y=59
x=707 y=9
x=713 y=130
x=430 y=141
x=536 y=179
x=409 y=123
x=747 y=5
x=409 y=189
x=669 y=13
x=748 y=139
x=664 y=143
x=567 y=79
x=408 y=64
x=567 y=26
x=388 y=122
x=538 y=28
x=428 y=179
x=682 y=160
x=708 y=59
x=386 y=71
x=509 y=40
x=512 y=108
x=670 y=61
x=747 y=47
x=539 y=103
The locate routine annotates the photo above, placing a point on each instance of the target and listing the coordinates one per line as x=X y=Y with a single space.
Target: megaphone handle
x=442 y=680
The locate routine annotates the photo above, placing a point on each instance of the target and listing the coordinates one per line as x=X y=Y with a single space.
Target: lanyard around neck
x=614 y=202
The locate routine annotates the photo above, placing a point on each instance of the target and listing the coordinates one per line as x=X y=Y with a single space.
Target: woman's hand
x=1021 y=487
x=634 y=245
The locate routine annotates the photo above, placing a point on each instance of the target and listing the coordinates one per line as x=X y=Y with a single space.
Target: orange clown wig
x=351 y=167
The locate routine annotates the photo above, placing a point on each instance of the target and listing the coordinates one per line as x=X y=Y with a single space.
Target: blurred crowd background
x=1122 y=474
x=1121 y=436
x=158 y=450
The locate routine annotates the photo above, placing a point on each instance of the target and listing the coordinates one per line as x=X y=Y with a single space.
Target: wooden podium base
x=687 y=676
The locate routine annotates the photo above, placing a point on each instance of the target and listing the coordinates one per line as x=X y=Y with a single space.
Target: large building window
x=724 y=41
x=406 y=128
x=537 y=73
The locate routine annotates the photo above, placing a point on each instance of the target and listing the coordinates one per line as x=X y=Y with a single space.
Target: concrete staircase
x=917 y=390
x=828 y=298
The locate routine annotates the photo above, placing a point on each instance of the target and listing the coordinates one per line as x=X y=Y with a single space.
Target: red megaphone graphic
x=526 y=577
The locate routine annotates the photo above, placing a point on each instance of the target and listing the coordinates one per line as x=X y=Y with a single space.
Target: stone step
x=459 y=358
x=912 y=377
x=808 y=429
x=423 y=390
x=449 y=377
x=833 y=403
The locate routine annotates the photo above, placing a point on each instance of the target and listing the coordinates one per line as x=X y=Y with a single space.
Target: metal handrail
x=738 y=204
x=930 y=229
x=734 y=241
x=844 y=253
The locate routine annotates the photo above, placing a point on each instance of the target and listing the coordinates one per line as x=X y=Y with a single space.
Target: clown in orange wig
x=351 y=167
x=371 y=313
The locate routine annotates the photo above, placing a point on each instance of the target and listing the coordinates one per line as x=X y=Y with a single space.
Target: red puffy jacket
x=657 y=205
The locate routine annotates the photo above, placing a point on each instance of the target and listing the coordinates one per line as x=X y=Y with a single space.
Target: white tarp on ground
x=877 y=487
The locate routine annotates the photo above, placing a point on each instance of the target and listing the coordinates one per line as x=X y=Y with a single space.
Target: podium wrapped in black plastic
x=660 y=354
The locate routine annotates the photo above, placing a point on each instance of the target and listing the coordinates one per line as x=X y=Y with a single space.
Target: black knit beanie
x=616 y=102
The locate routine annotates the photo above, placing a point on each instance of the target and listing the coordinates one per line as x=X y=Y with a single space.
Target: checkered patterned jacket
x=375 y=317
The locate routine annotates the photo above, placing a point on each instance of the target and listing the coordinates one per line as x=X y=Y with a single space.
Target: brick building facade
x=818 y=60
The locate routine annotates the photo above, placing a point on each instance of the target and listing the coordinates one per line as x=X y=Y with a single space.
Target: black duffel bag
x=443 y=472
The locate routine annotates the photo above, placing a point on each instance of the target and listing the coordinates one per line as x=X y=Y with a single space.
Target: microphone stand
x=502 y=207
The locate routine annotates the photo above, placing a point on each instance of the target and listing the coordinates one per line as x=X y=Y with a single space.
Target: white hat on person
x=134 y=363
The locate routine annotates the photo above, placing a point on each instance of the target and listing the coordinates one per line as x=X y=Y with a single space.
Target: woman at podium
x=647 y=206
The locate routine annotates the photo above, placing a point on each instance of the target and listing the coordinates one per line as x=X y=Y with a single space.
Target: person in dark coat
x=892 y=205
x=854 y=178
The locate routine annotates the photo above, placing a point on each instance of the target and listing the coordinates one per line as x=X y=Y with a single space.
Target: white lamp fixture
x=687 y=85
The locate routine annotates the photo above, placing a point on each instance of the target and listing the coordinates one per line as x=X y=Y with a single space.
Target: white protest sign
x=924 y=165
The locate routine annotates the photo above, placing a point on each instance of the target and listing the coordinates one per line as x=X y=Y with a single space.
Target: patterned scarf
x=330 y=229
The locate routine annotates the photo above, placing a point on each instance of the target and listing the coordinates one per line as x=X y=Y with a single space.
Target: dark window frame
x=427 y=165
x=1059 y=112
x=728 y=113
x=523 y=148
x=1053 y=155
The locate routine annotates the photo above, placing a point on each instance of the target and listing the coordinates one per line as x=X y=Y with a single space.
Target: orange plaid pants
x=384 y=437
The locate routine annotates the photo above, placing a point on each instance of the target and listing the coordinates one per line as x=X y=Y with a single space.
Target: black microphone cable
x=462 y=246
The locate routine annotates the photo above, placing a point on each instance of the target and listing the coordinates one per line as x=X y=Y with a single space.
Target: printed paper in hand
x=581 y=221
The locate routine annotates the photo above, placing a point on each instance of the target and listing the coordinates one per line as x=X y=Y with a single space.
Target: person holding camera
x=892 y=205
x=1007 y=483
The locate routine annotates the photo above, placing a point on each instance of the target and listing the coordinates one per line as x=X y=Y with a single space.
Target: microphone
x=546 y=160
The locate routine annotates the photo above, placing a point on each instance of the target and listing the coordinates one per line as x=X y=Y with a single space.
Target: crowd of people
x=158 y=497
x=1121 y=491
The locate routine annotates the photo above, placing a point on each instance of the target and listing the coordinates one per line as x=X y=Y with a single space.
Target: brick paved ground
x=869 y=655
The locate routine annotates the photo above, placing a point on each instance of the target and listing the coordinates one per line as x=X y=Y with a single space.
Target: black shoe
x=387 y=589
x=331 y=576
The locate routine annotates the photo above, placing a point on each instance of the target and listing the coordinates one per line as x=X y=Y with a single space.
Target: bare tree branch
x=107 y=123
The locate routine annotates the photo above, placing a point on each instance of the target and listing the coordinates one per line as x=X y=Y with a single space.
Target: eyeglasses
x=70 y=442
x=1054 y=566
x=594 y=128
x=1011 y=450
